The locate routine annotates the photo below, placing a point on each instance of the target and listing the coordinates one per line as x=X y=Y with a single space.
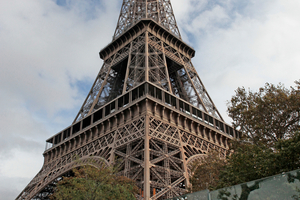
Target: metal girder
x=133 y=11
x=147 y=107
x=155 y=150
x=150 y=59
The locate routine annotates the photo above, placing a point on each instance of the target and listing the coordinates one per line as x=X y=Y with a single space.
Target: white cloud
x=244 y=43
x=210 y=19
x=45 y=49
x=16 y=173
x=10 y=187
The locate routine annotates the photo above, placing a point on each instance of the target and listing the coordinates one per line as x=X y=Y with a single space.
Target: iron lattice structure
x=147 y=107
x=133 y=11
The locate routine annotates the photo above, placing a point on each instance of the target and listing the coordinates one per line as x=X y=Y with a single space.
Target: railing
x=187 y=108
x=280 y=187
x=130 y=97
x=121 y=102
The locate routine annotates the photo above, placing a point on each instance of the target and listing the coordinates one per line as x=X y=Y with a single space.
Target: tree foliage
x=269 y=120
x=253 y=162
x=288 y=153
x=268 y=115
x=206 y=172
x=90 y=183
x=248 y=162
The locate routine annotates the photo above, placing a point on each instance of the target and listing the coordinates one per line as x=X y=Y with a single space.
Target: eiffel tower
x=147 y=107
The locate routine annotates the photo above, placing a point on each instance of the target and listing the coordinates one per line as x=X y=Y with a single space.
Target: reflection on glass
x=285 y=186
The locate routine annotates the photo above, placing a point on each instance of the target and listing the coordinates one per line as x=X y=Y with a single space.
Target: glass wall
x=285 y=186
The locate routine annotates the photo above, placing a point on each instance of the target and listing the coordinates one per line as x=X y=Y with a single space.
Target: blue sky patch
x=84 y=86
x=61 y=2
x=88 y=9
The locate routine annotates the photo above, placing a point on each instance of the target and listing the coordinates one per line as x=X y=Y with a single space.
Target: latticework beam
x=133 y=11
x=147 y=107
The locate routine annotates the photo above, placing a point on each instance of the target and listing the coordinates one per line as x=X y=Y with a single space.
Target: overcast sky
x=49 y=60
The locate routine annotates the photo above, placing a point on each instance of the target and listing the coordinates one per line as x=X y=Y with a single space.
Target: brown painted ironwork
x=133 y=11
x=147 y=107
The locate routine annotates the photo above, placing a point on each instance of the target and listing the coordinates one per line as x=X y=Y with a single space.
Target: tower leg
x=147 y=162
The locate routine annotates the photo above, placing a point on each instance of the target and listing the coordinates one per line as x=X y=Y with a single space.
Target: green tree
x=205 y=172
x=248 y=162
x=251 y=162
x=269 y=120
x=288 y=153
x=90 y=183
x=268 y=115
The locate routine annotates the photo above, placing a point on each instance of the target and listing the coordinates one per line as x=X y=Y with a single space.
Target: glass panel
x=151 y=90
x=98 y=115
x=135 y=94
x=141 y=90
x=76 y=128
x=158 y=94
x=282 y=186
x=167 y=98
x=181 y=107
x=199 y=114
x=173 y=101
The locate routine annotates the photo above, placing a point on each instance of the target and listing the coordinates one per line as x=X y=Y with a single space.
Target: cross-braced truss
x=148 y=58
x=124 y=137
x=133 y=11
x=147 y=110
